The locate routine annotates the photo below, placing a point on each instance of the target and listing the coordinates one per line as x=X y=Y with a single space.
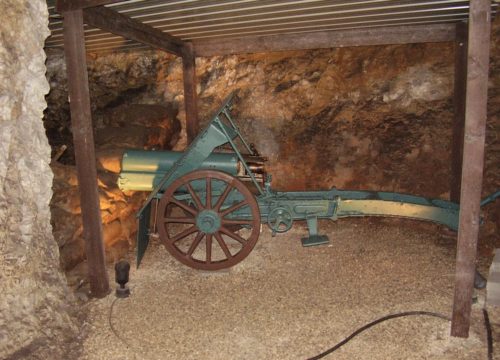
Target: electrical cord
x=489 y=336
x=110 y=320
x=135 y=352
x=487 y=325
x=375 y=322
x=403 y=314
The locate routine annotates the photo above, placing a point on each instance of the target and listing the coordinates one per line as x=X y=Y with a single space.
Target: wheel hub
x=208 y=221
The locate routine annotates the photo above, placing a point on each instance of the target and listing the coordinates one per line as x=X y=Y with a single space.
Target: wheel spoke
x=183 y=206
x=195 y=244
x=184 y=233
x=195 y=197
x=208 y=197
x=180 y=220
x=223 y=245
x=216 y=200
x=234 y=208
x=233 y=235
x=223 y=197
x=237 y=222
x=208 y=245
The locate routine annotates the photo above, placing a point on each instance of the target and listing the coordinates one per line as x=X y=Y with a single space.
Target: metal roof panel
x=210 y=19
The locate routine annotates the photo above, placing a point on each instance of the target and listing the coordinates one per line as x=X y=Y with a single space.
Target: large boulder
x=35 y=312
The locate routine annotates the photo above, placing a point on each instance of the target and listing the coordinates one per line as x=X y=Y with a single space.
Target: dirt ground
x=289 y=302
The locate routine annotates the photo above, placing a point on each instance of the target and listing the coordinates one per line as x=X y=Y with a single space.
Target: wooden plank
x=83 y=140
x=473 y=162
x=68 y=5
x=460 y=85
x=119 y=24
x=327 y=39
x=190 y=98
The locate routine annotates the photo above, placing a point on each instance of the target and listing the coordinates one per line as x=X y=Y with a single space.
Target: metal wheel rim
x=215 y=238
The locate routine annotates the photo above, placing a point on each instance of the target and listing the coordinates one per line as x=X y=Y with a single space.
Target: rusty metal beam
x=122 y=25
x=68 y=5
x=190 y=98
x=460 y=85
x=83 y=140
x=473 y=162
x=327 y=39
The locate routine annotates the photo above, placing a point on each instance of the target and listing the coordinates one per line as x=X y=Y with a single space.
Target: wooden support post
x=83 y=140
x=460 y=85
x=473 y=162
x=190 y=102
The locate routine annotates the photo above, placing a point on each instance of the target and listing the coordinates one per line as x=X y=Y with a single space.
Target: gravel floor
x=289 y=302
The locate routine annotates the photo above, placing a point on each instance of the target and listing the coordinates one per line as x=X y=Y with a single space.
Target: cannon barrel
x=142 y=170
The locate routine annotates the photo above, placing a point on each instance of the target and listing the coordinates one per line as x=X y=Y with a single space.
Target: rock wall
x=362 y=118
x=365 y=117
x=125 y=126
x=116 y=80
x=34 y=313
x=127 y=113
x=349 y=118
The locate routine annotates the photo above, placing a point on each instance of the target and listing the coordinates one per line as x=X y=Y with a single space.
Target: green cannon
x=207 y=203
x=143 y=170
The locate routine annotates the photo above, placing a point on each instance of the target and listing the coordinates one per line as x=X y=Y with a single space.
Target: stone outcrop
x=34 y=300
x=114 y=80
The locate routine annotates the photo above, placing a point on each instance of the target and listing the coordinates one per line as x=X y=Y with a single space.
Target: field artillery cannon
x=207 y=206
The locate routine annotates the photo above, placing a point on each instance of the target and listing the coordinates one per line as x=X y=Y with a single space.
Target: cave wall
x=350 y=117
x=127 y=113
x=114 y=81
x=347 y=117
x=34 y=298
x=374 y=117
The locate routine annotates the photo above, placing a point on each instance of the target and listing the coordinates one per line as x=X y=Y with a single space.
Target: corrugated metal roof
x=209 y=19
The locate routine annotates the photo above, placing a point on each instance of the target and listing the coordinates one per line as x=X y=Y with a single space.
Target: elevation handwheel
x=280 y=220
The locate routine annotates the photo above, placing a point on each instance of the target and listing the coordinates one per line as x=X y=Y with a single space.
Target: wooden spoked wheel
x=208 y=220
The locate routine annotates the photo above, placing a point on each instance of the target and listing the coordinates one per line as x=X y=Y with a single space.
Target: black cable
x=489 y=337
x=134 y=350
x=373 y=323
x=112 y=327
x=487 y=325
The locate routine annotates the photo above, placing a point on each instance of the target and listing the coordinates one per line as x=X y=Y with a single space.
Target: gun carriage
x=207 y=206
